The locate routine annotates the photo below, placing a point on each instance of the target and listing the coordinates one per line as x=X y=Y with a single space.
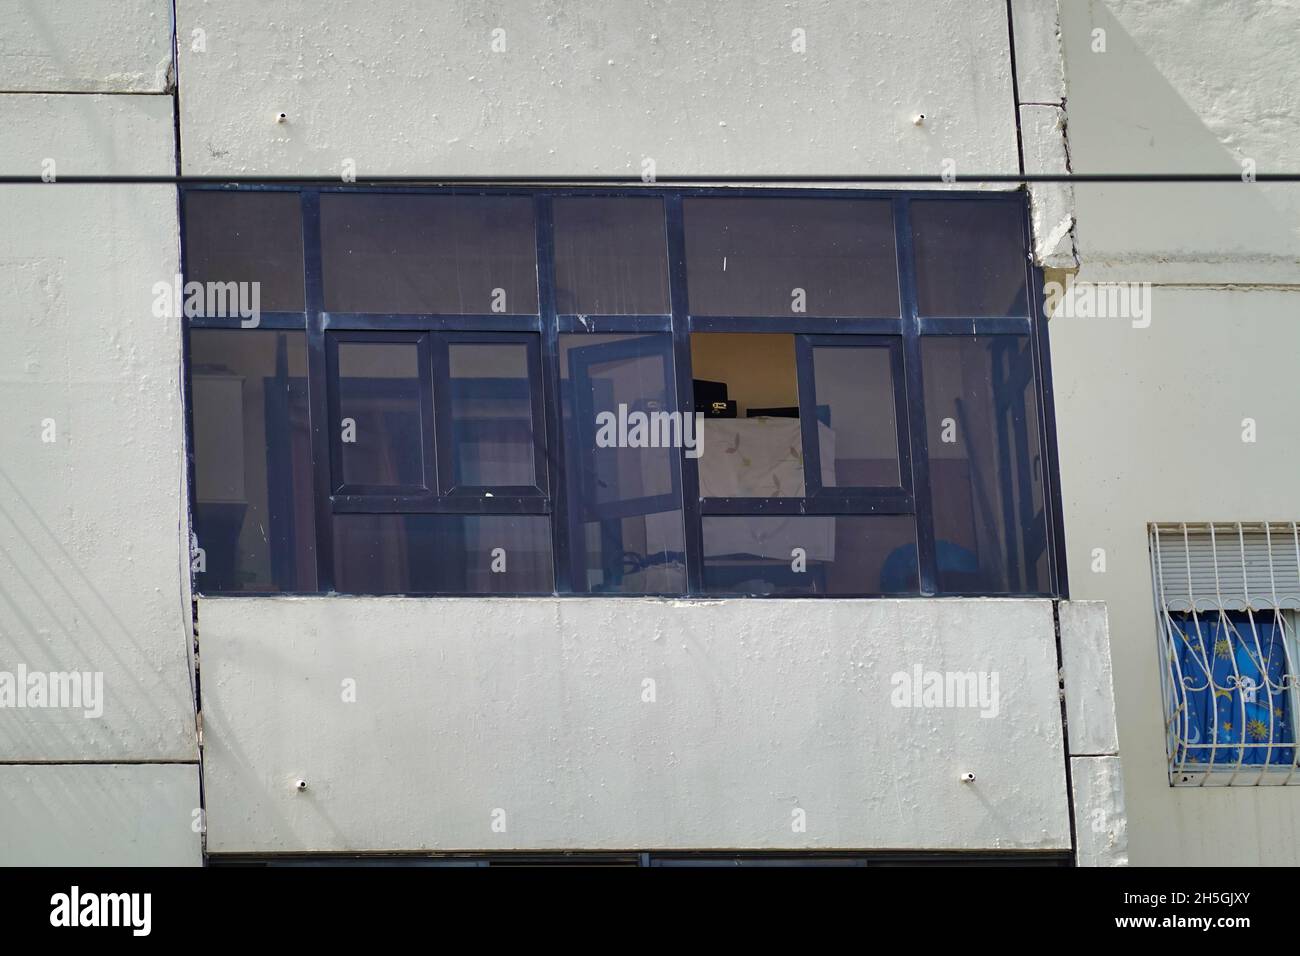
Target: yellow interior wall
x=759 y=369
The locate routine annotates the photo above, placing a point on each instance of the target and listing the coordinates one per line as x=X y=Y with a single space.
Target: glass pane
x=429 y=254
x=253 y=492
x=247 y=237
x=746 y=386
x=801 y=554
x=380 y=436
x=491 y=415
x=611 y=257
x=818 y=257
x=970 y=257
x=624 y=493
x=986 y=466
x=855 y=412
x=443 y=554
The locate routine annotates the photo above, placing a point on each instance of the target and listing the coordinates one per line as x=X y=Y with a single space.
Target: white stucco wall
x=1086 y=677
x=592 y=87
x=1185 y=87
x=93 y=551
x=74 y=46
x=100 y=815
x=92 y=524
x=535 y=707
x=1100 y=812
x=1150 y=420
x=1150 y=430
x=1096 y=774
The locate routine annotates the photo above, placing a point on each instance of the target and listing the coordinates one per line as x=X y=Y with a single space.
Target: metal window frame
x=909 y=328
x=439 y=493
x=429 y=460
x=806 y=347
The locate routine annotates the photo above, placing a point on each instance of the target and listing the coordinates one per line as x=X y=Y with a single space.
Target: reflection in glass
x=970 y=258
x=790 y=257
x=611 y=257
x=491 y=415
x=253 y=492
x=247 y=237
x=381 y=441
x=802 y=554
x=428 y=254
x=442 y=554
x=624 y=502
x=855 y=404
x=989 y=520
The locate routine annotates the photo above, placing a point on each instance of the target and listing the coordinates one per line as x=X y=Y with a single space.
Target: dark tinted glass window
x=986 y=465
x=247 y=237
x=783 y=257
x=624 y=496
x=381 y=435
x=855 y=413
x=429 y=254
x=970 y=258
x=611 y=257
x=442 y=554
x=801 y=554
x=491 y=414
x=253 y=500
x=446 y=422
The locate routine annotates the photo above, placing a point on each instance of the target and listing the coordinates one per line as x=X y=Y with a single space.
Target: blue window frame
x=457 y=450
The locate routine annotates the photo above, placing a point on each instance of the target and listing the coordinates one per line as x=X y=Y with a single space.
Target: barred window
x=1226 y=602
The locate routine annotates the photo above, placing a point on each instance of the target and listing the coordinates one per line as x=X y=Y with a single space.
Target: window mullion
x=915 y=401
x=436 y=395
x=807 y=388
x=561 y=546
x=318 y=390
x=692 y=527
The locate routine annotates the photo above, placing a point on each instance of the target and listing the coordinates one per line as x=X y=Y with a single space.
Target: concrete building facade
x=550 y=720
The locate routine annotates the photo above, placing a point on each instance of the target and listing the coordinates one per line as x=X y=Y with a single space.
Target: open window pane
x=624 y=493
x=791 y=257
x=986 y=465
x=611 y=256
x=253 y=491
x=428 y=254
x=746 y=386
x=970 y=258
x=443 y=554
x=800 y=554
x=491 y=415
x=855 y=411
x=380 y=432
x=253 y=237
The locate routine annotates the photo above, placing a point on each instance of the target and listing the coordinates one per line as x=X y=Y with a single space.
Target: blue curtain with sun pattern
x=1233 y=690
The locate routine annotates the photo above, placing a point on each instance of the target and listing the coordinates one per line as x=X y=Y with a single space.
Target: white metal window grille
x=1226 y=597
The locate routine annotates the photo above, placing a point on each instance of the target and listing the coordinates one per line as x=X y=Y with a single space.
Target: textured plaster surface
x=1185 y=87
x=537 y=708
x=594 y=87
x=1040 y=71
x=1085 y=661
x=85 y=46
x=1151 y=430
x=93 y=556
x=1042 y=131
x=100 y=815
x=1101 y=823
